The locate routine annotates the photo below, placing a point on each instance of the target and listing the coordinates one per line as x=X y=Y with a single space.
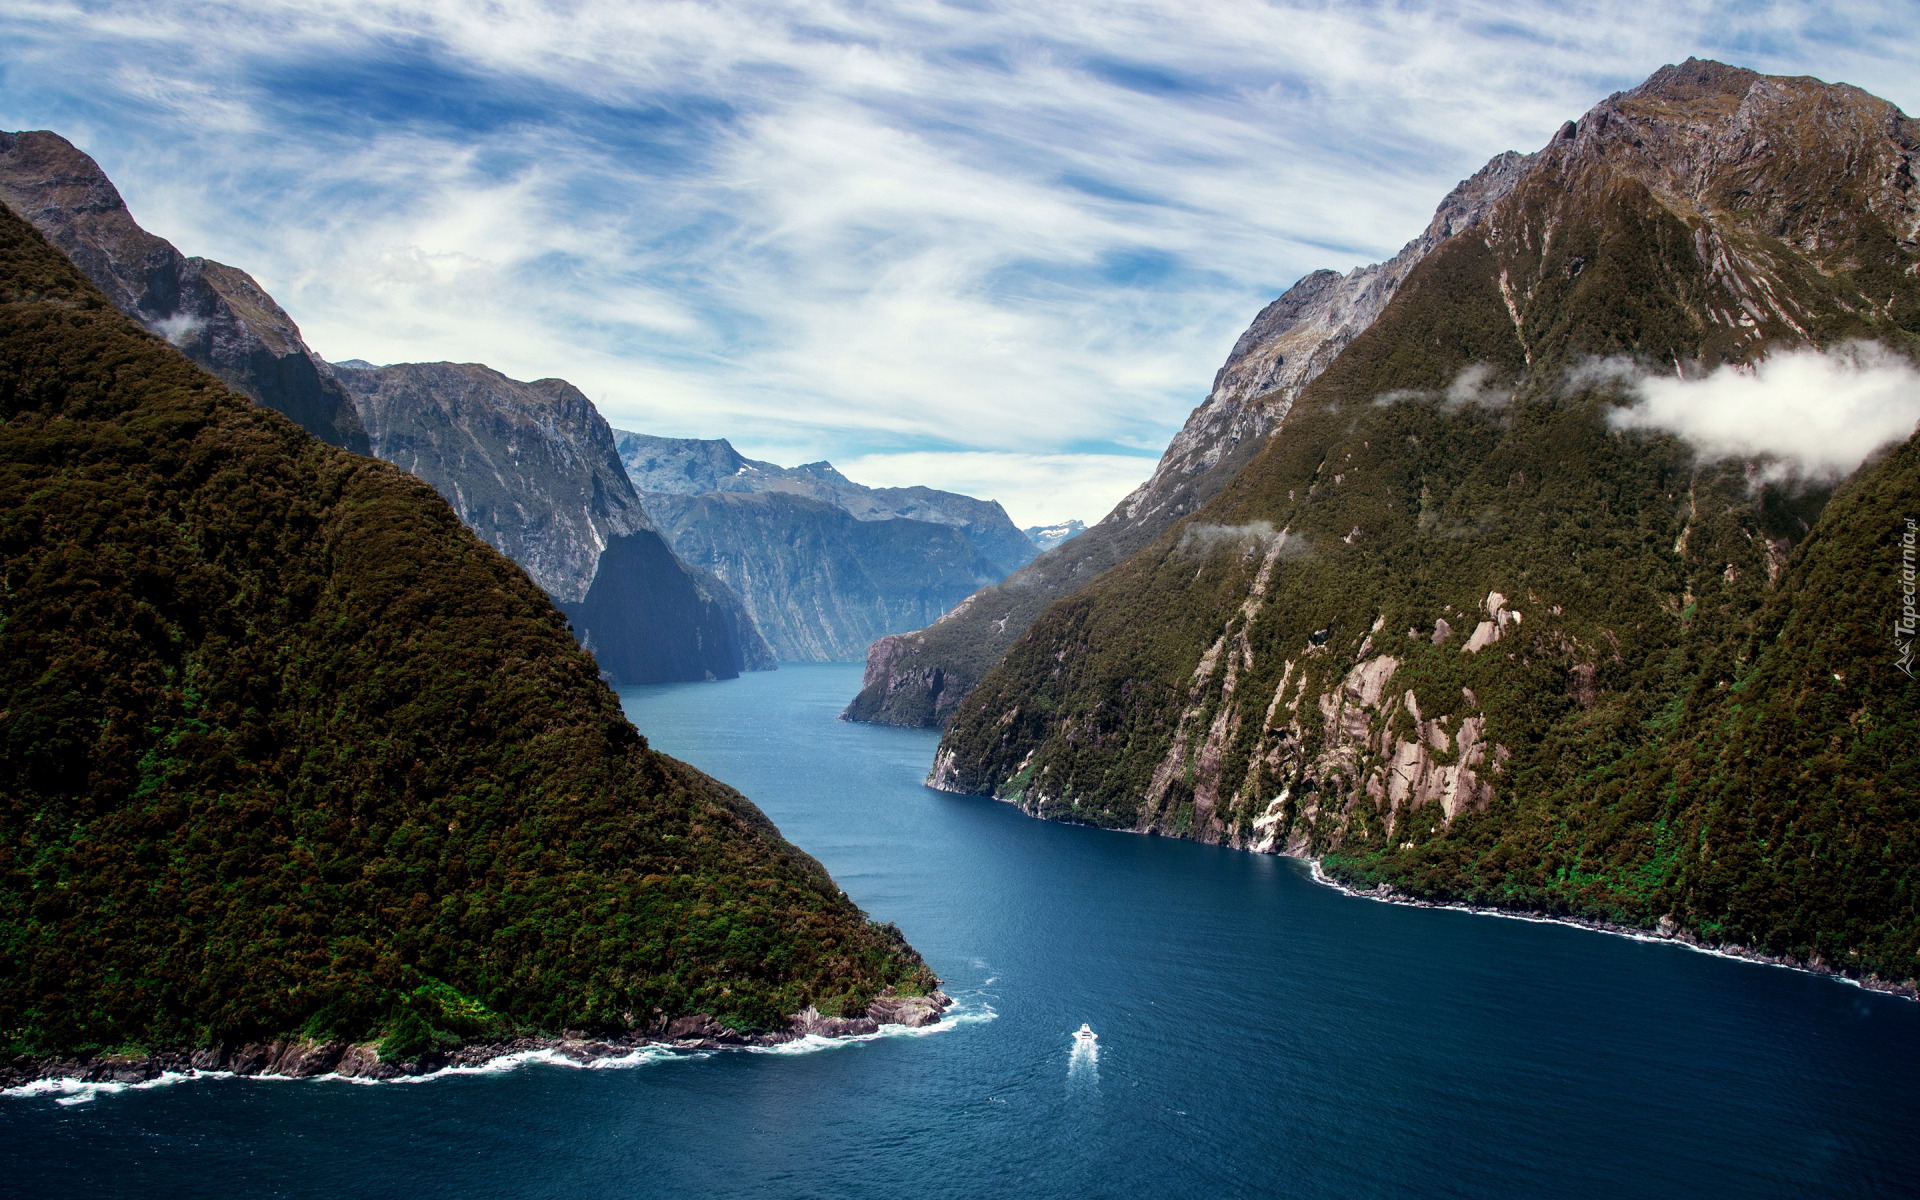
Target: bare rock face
x=825 y=565
x=821 y=583
x=915 y=1012
x=662 y=467
x=1783 y=184
x=809 y=1021
x=700 y=1027
x=362 y=1062
x=216 y=314
x=919 y=678
x=898 y=684
x=532 y=468
x=295 y=1058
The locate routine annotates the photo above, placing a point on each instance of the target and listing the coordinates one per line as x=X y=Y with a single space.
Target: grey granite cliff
x=531 y=467
x=824 y=564
x=689 y=466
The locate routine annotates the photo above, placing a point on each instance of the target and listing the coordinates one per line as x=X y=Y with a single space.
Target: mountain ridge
x=291 y=753
x=689 y=466
x=216 y=314
x=532 y=468
x=919 y=678
x=824 y=565
x=1455 y=632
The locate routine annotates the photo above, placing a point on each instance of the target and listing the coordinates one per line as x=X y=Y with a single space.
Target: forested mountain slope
x=217 y=315
x=1457 y=631
x=919 y=678
x=532 y=468
x=285 y=749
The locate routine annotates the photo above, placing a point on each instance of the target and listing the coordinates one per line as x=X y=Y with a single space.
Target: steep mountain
x=919 y=678
x=820 y=583
x=215 y=314
x=1046 y=537
x=287 y=751
x=824 y=565
x=532 y=468
x=691 y=466
x=1461 y=634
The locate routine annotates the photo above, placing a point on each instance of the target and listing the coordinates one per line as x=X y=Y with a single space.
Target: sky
x=997 y=248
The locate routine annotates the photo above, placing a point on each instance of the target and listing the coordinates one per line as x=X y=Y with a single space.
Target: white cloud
x=1822 y=412
x=862 y=227
x=1202 y=538
x=1035 y=489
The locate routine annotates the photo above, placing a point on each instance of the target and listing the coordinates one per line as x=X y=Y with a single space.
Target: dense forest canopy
x=285 y=749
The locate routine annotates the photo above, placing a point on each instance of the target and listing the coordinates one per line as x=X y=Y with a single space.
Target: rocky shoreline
x=305 y=1058
x=1666 y=931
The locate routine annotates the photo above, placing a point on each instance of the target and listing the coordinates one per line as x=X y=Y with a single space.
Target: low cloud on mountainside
x=1202 y=539
x=1821 y=412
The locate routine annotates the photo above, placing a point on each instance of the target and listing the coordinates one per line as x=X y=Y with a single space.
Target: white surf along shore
x=1666 y=934
x=577 y=1054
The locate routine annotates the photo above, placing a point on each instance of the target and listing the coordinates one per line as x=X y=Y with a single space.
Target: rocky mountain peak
x=1797 y=195
x=531 y=467
x=824 y=471
x=1795 y=156
x=218 y=315
x=681 y=466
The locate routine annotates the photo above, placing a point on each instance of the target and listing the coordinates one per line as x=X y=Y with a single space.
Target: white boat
x=1086 y=1036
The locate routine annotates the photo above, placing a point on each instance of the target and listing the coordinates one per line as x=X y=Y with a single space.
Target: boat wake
x=1083 y=1064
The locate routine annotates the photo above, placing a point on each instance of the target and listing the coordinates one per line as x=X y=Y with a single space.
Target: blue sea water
x=1260 y=1035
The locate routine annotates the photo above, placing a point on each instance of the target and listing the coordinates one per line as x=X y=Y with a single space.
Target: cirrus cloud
x=847 y=228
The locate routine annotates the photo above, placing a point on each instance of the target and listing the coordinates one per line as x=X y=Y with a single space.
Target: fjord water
x=1259 y=1035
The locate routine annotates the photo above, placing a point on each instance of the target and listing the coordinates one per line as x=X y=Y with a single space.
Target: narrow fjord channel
x=1258 y=1035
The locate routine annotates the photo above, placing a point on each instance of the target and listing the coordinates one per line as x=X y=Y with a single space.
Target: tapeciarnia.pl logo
x=1903 y=625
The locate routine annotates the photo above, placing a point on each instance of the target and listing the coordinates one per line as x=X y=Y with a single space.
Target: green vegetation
x=284 y=749
x=1698 y=718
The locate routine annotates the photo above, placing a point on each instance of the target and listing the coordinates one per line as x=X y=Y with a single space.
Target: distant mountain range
x=1046 y=537
x=531 y=467
x=824 y=564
